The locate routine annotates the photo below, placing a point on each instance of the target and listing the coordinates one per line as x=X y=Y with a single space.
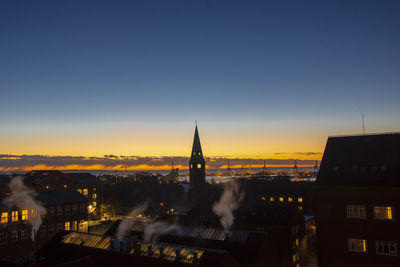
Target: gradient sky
x=130 y=77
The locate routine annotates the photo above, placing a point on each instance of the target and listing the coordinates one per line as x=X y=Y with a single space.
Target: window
x=59 y=210
x=67 y=209
x=74 y=225
x=300 y=208
x=356 y=211
x=94 y=196
x=290 y=199
x=80 y=191
x=386 y=248
x=59 y=227
x=47 y=187
x=42 y=230
x=51 y=211
x=294 y=258
x=263 y=198
x=67 y=226
x=271 y=199
x=94 y=188
x=281 y=199
x=3 y=238
x=24 y=215
x=65 y=186
x=14 y=236
x=4 y=217
x=14 y=216
x=94 y=204
x=74 y=208
x=357 y=245
x=51 y=228
x=82 y=208
x=383 y=213
x=85 y=192
x=24 y=234
x=300 y=199
x=297 y=242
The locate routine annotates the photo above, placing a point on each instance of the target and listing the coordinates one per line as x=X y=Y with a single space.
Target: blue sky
x=304 y=67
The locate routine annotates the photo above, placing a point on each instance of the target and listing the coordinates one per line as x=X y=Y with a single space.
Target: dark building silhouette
x=197 y=167
x=358 y=201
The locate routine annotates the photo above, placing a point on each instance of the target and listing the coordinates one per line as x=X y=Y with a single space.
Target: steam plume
x=228 y=203
x=128 y=222
x=23 y=198
x=153 y=230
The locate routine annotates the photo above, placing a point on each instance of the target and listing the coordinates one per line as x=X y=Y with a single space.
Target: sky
x=263 y=79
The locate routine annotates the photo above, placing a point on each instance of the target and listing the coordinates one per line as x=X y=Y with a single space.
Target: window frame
x=381 y=244
x=356 y=209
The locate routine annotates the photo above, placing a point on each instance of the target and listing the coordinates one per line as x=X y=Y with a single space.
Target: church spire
x=196 y=148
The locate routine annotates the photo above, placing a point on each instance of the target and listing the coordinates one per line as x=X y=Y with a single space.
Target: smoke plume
x=129 y=221
x=153 y=230
x=228 y=203
x=23 y=198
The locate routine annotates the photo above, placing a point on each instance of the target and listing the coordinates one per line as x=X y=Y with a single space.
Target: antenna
x=363 y=123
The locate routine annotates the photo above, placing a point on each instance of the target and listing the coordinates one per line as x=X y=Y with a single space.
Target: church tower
x=197 y=168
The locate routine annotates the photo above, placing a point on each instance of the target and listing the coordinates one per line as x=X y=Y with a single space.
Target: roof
x=83 y=178
x=5 y=180
x=54 y=197
x=366 y=160
x=197 y=154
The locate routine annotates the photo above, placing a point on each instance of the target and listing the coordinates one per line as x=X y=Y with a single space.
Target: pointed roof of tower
x=196 y=143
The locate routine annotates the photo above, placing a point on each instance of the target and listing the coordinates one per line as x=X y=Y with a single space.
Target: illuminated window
x=65 y=186
x=47 y=187
x=300 y=199
x=354 y=211
x=383 y=213
x=198 y=166
x=281 y=199
x=357 y=245
x=263 y=198
x=85 y=192
x=191 y=166
x=14 y=216
x=271 y=199
x=386 y=248
x=67 y=226
x=290 y=199
x=94 y=204
x=294 y=258
x=300 y=208
x=24 y=234
x=80 y=191
x=94 y=188
x=14 y=236
x=4 y=217
x=3 y=238
x=74 y=225
x=297 y=242
x=297 y=265
x=24 y=215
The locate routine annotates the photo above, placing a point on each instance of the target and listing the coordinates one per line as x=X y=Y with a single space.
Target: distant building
x=197 y=167
x=358 y=201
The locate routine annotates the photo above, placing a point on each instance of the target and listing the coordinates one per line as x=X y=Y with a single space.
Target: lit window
x=24 y=215
x=354 y=211
x=14 y=236
x=386 y=248
x=14 y=216
x=383 y=213
x=294 y=258
x=65 y=186
x=47 y=187
x=67 y=226
x=80 y=191
x=281 y=199
x=94 y=204
x=198 y=166
x=3 y=238
x=191 y=166
x=263 y=198
x=297 y=242
x=357 y=245
x=85 y=192
x=271 y=199
x=94 y=188
x=4 y=217
x=300 y=199
x=74 y=225
x=94 y=195
x=290 y=199
x=300 y=208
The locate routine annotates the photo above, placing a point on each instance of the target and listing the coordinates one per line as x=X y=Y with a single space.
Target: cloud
x=12 y=163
